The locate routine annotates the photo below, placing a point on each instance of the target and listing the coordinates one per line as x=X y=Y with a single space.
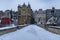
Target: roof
x=8 y=27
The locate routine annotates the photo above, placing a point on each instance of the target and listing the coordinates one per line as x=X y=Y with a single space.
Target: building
x=53 y=18
x=56 y=13
x=24 y=14
x=7 y=13
x=12 y=15
x=40 y=17
x=1 y=14
x=5 y=21
x=15 y=18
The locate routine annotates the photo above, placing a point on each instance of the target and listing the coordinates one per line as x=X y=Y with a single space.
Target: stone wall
x=54 y=30
x=10 y=30
x=7 y=30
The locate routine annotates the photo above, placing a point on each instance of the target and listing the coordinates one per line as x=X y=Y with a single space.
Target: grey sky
x=35 y=4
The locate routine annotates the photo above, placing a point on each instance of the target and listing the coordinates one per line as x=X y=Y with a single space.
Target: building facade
x=56 y=13
x=40 y=17
x=53 y=18
x=24 y=14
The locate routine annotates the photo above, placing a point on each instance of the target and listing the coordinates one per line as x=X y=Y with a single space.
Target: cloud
x=56 y=4
x=8 y=4
x=35 y=4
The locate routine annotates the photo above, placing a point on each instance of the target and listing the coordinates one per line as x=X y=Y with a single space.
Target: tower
x=24 y=14
x=52 y=11
x=19 y=6
x=29 y=5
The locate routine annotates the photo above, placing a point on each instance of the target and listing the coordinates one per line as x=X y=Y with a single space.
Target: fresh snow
x=8 y=27
x=31 y=32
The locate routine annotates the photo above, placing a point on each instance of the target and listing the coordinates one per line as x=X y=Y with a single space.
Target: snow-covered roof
x=31 y=32
x=8 y=27
x=54 y=26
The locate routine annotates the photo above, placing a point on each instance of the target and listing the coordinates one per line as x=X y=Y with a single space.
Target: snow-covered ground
x=31 y=32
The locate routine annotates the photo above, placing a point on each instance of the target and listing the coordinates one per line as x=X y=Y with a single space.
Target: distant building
x=40 y=17
x=7 y=13
x=15 y=17
x=24 y=14
x=5 y=21
x=12 y=15
x=1 y=14
x=56 y=13
x=53 y=19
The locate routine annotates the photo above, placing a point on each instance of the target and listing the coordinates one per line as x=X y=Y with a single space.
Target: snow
x=48 y=23
x=31 y=32
x=52 y=20
x=8 y=27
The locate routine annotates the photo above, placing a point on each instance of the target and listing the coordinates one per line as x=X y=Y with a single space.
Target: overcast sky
x=35 y=4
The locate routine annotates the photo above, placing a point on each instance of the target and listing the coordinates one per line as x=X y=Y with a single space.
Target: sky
x=35 y=4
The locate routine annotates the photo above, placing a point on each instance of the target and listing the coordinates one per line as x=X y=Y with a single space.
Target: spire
x=19 y=6
x=24 y=5
x=29 y=5
x=36 y=11
x=52 y=11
